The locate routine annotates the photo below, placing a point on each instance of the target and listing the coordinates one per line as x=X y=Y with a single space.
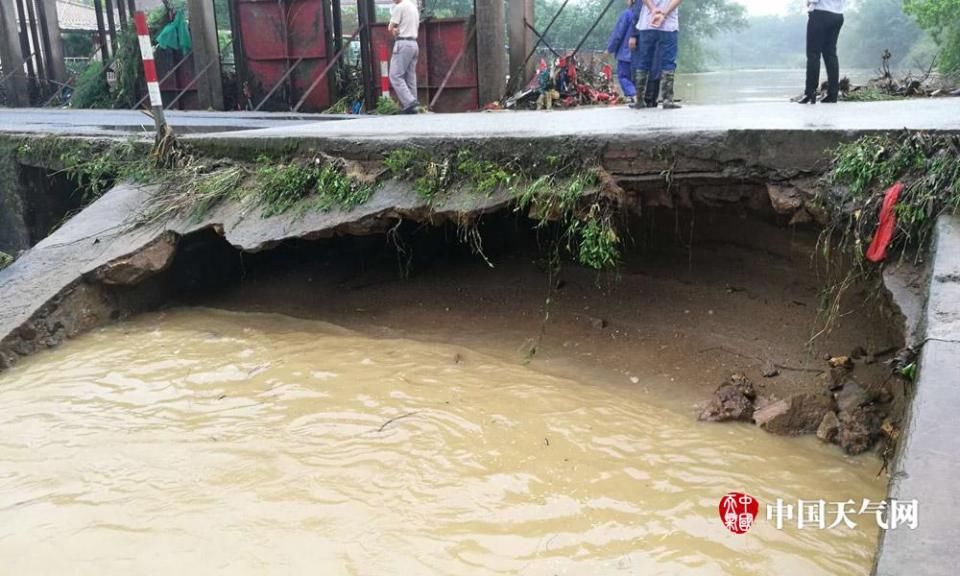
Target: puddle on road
x=203 y=442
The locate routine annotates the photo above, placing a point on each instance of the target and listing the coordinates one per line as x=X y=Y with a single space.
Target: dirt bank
x=677 y=318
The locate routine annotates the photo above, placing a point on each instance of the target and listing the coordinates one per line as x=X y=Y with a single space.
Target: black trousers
x=823 y=30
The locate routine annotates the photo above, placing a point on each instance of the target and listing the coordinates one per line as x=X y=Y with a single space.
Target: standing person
x=404 y=26
x=658 y=32
x=619 y=47
x=823 y=30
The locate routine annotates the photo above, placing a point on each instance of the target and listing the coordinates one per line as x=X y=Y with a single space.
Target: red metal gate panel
x=274 y=36
x=441 y=41
x=178 y=81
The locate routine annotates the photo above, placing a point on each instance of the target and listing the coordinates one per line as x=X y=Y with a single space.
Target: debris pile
x=840 y=411
x=885 y=86
x=567 y=82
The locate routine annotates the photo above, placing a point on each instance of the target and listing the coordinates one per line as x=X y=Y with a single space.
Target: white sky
x=758 y=7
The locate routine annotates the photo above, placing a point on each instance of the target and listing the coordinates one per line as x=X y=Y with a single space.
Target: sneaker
x=412 y=109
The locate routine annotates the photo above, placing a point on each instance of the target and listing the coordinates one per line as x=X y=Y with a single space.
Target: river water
x=746 y=86
x=204 y=442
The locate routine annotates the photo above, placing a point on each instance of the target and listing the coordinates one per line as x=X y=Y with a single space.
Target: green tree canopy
x=942 y=19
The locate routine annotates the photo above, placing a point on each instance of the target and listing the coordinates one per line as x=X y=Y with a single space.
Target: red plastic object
x=441 y=41
x=877 y=251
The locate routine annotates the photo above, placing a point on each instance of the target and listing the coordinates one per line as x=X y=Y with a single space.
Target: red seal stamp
x=738 y=511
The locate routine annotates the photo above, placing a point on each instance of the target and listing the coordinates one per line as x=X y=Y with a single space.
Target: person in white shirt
x=404 y=26
x=823 y=30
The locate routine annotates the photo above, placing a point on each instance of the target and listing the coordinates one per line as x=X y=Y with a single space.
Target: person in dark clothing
x=618 y=47
x=651 y=96
x=656 y=43
x=823 y=30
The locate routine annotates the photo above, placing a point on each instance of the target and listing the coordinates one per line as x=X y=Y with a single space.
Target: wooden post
x=367 y=15
x=101 y=33
x=206 y=49
x=491 y=58
x=11 y=57
x=521 y=41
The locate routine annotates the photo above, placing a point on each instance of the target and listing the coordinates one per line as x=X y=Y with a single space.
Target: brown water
x=202 y=442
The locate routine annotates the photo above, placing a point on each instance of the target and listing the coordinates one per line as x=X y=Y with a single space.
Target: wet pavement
x=126 y=122
x=930 y=114
x=605 y=122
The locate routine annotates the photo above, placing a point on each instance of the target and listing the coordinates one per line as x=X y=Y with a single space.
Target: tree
x=871 y=27
x=942 y=19
x=875 y=26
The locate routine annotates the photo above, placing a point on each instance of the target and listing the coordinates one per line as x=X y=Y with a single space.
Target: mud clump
x=733 y=401
x=794 y=416
x=859 y=429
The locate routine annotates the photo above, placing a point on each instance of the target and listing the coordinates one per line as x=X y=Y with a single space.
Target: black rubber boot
x=668 y=81
x=640 y=78
x=652 y=95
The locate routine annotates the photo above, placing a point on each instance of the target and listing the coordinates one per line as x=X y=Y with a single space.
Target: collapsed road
x=100 y=265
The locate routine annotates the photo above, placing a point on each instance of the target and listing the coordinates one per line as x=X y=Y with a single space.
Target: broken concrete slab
x=102 y=248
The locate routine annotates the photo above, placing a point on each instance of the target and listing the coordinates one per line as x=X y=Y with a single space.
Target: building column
x=56 y=65
x=206 y=50
x=491 y=53
x=10 y=56
x=521 y=41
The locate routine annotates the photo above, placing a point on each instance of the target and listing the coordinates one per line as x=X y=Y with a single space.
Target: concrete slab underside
x=929 y=459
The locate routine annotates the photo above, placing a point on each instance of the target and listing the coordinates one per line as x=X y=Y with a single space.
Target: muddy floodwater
x=204 y=442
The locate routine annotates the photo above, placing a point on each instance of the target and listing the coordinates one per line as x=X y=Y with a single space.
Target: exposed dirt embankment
x=707 y=245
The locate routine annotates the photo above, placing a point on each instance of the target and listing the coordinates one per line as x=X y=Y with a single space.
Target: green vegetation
x=5 y=260
x=942 y=19
x=92 y=90
x=870 y=94
x=279 y=188
x=871 y=27
x=95 y=166
x=594 y=239
x=561 y=193
x=386 y=106
x=927 y=165
x=555 y=190
x=284 y=186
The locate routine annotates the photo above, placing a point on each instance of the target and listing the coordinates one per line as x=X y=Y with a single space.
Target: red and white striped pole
x=384 y=72
x=150 y=71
